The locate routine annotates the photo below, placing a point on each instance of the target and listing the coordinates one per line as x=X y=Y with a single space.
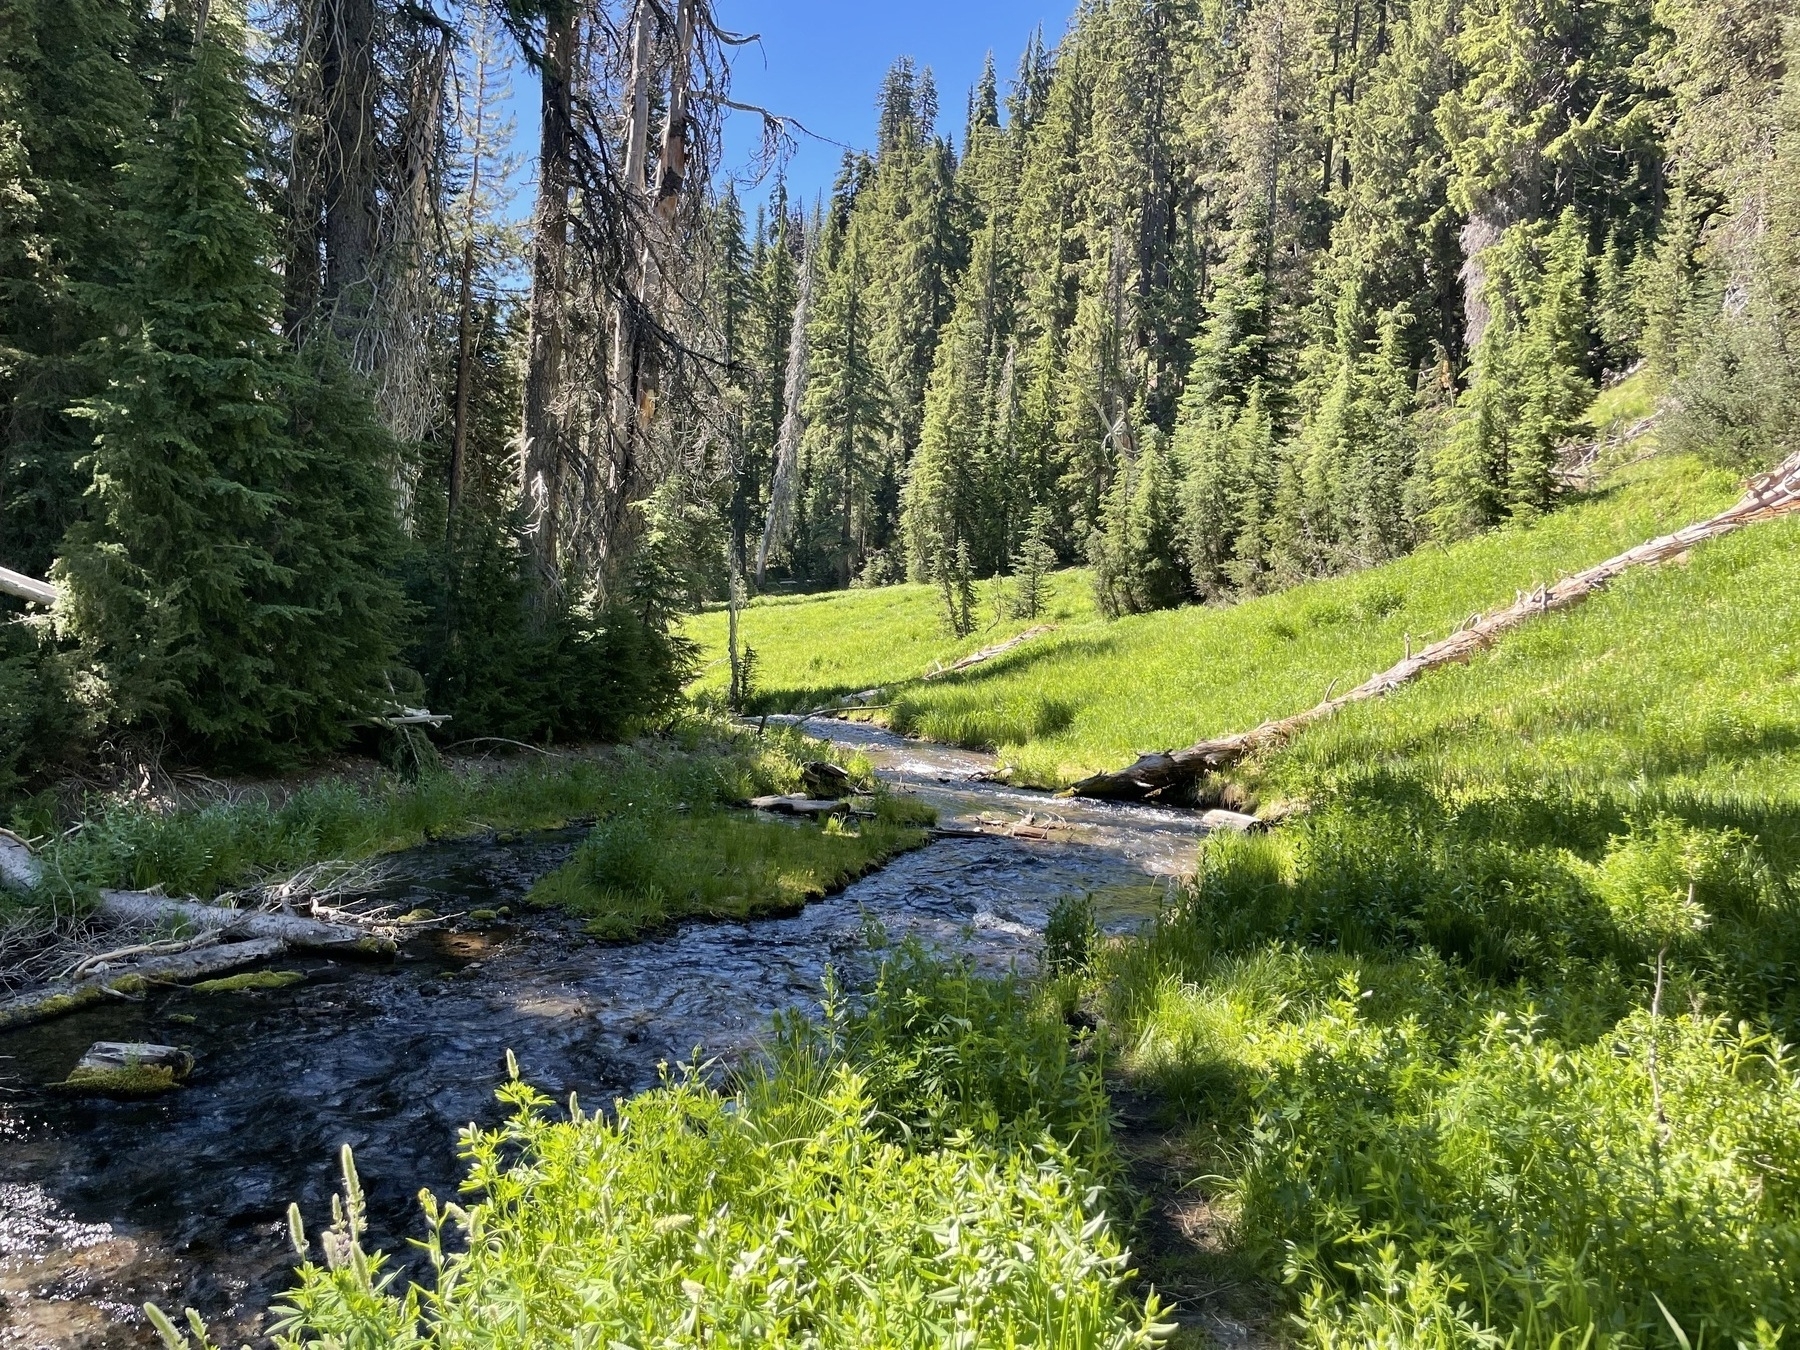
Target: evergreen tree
x=228 y=581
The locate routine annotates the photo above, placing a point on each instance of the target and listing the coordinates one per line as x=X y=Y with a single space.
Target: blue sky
x=821 y=61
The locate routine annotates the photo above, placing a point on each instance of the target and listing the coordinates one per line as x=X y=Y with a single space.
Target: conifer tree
x=228 y=580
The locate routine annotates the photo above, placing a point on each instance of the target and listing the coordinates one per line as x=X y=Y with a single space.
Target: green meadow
x=1092 y=695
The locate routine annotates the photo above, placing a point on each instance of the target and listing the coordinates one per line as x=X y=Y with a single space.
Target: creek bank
x=182 y=1199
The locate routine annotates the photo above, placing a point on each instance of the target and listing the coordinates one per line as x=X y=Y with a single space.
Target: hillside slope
x=1092 y=695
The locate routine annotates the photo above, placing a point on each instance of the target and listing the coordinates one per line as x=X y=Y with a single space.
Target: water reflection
x=182 y=1199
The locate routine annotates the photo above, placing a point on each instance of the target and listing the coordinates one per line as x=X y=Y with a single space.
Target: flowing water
x=181 y=1199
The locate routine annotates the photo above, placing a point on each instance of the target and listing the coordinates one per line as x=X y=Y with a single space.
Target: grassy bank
x=667 y=797
x=1093 y=695
x=670 y=844
x=927 y=1169
x=1487 y=1048
x=813 y=651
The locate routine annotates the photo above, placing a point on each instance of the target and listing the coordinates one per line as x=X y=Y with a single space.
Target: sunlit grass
x=812 y=651
x=1093 y=695
x=1485 y=1046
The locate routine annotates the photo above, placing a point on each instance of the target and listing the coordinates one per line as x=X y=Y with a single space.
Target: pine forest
x=507 y=584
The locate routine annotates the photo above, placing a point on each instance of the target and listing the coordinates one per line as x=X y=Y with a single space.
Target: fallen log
x=27 y=588
x=989 y=653
x=801 y=806
x=19 y=867
x=52 y=1001
x=1769 y=497
x=339 y=939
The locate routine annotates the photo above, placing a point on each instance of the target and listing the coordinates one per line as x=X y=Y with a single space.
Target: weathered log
x=822 y=778
x=26 y=588
x=800 y=806
x=19 y=867
x=52 y=1001
x=989 y=653
x=338 y=939
x=1769 y=497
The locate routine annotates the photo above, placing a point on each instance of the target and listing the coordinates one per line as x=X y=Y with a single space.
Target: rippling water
x=182 y=1199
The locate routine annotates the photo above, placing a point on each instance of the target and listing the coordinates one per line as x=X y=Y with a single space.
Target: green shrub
x=832 y=1201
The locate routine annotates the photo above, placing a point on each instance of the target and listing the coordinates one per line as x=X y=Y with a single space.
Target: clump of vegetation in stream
x=213 y=848
x=927 y=1168
x=671 y=845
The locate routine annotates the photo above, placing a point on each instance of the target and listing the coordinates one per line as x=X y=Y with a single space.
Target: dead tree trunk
x=1773 y=495
x=347 y=76
x=628 y=374
x=787 y=445
x=476 y=127
x=544 y=433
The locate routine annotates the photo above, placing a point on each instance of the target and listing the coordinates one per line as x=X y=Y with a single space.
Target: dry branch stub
x=1769 y=497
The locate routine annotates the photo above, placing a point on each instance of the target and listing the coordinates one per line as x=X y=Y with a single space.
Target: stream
x=182 y=1199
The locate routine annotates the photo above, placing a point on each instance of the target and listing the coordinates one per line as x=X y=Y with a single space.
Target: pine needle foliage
x=227 y=583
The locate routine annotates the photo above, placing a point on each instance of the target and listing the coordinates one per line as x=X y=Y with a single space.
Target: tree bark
x=342 y=939
x=544 y=434
x=53 y=1001
x=347 y=73
x=1773 y=495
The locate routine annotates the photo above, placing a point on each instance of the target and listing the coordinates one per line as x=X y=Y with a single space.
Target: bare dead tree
x=787 y=446
x=544 y=451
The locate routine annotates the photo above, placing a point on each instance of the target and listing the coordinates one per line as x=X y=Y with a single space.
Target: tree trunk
x=787 y=446
x=141 y=907
x=347 y=73
x=544 y=435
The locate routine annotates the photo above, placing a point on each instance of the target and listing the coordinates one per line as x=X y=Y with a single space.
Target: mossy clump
x=484 y=915
x=420 y=915
x=137 y=1080
x=251 y=981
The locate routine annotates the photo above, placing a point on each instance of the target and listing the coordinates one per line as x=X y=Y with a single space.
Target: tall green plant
x=227 y=583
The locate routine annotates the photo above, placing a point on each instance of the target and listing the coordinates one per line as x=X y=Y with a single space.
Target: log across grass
x=1488 y=1045
x=1093 y=695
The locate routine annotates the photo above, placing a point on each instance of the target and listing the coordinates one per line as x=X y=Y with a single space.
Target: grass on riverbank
x=1488 y=1047
x=215 y=848
x=671 y=846
x=925 y=1170
x=1094 y=695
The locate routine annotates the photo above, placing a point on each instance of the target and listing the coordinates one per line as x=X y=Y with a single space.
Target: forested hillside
x=308 y=417
x=1218 y=296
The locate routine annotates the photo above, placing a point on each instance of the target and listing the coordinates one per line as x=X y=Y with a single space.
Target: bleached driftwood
x=19 y=867
x=1769 y=497
x=55 y=999
x=27 y=588
x=989 y=653
x=800 y=806
x=142 y=907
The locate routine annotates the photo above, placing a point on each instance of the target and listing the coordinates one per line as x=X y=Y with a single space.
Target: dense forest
x=1220 y=296
x=1212 y=295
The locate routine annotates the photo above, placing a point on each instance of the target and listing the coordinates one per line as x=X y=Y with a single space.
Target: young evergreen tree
x=228 y=582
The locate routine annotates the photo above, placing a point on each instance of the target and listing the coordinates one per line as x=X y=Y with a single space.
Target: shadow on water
x=182 y=1199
